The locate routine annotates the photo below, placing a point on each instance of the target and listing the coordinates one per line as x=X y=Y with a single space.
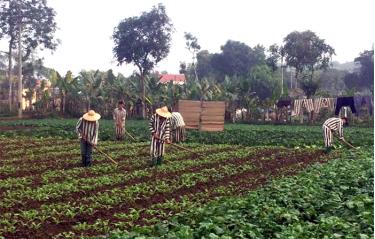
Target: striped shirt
x=159 y=127
x=177 y=120
x=162 y=128
x=119 y=115
x=88 y=129
x=335 y=124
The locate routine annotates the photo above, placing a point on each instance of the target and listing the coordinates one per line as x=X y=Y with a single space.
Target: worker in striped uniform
x=331 y=126
x=160 y=134
x=88 y=130
x=119 y=116
x=177 y=127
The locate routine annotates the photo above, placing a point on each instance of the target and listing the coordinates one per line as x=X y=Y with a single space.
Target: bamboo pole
x=106 y=155
x=186 y=149
x=100 y=151
x=130 y=135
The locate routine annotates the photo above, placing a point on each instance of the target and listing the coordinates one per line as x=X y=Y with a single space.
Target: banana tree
x=29 y=96
x=65 y=85
x=91 y=82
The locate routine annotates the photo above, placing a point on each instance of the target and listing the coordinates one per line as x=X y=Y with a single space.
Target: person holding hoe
x=119 y=116
x=160 y=134
x=331 y=126
x=88 y=130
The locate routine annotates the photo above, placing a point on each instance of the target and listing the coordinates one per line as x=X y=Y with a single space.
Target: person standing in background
x=119 y=117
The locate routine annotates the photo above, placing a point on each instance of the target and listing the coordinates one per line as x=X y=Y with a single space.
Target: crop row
x=249 y=135
x=95 y=201
x=332 y=200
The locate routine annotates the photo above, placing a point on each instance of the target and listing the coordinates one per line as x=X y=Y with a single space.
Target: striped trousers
x=157 y=148
x=178 y=135
x=327 y=134
x=120 y=132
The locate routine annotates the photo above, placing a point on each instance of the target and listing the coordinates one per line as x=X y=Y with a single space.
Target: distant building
x=176 y=79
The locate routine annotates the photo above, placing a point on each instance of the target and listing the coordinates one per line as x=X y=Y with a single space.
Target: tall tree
x=204 y=65
x=143 y=41
x=273 y=59
x=309 y=86
x=27 y=24
x=237 y=58
x=193 y=47
x=264 y=84
x=305 y=51
x=366 y=73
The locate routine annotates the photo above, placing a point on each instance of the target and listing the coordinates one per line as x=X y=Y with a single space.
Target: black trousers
x=86 y=151
x=345 y=101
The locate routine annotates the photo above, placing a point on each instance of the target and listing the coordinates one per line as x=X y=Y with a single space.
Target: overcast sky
x=86 y=27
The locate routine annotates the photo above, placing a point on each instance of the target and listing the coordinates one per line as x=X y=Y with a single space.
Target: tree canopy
x=306 y=52
x=143 y=41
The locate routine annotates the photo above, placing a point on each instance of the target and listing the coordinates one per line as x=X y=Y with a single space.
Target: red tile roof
x=177 y=79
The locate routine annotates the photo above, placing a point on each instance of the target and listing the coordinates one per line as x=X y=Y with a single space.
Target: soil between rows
x=74 y=196
x=265 y=169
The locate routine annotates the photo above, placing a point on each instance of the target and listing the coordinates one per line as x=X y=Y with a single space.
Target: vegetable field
x=249 y=135
x=287 y=188
x=46 y=193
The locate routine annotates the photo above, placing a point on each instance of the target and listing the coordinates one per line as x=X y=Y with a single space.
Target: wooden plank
x=213 y=103
x=213 y=106
x=188 y=103
x=190 y=117
x=213 y=110
x=189 y=107
x=191 y=127
x=192 y=123
x=212 y=123
x=207 y=115
x=212 y=115
x=188 y=111
x=212 y=118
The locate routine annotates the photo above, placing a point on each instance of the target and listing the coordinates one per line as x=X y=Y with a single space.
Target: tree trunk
x=282 y=77
x=30 y=103
x=63 y=101
x=296 y=79
x=88 y=104
x=143 y=95
x=19 y=72
x=195 y=71
x=10 y=55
